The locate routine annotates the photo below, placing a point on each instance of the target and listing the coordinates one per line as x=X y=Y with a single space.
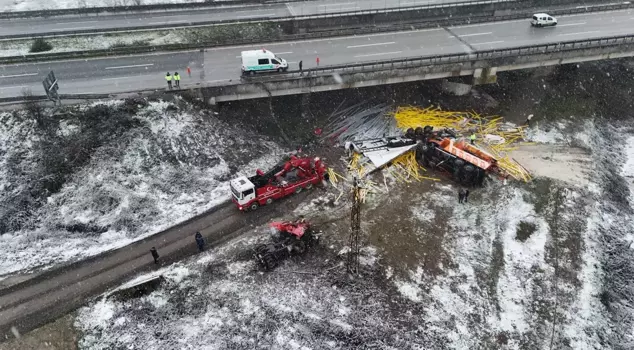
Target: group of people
x=200 y=242
x=175 y=77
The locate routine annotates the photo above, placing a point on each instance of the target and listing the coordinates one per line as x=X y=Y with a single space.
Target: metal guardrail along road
x=295 y=37
x=422 y=61
x=255 y=20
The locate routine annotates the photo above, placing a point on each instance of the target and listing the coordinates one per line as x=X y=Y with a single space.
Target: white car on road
x=543 y=20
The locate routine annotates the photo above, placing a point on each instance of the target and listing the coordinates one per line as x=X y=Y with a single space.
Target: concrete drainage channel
x=372 y=24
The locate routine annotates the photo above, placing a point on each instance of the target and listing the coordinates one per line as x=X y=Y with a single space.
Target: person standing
x=472 y=138
x=177 y=80
x=200 y=241
x=461 y=196
x=155 y=255
x=189 y=72
x=528 y=120
x=300 y=68
x=168 y=77
x=317 y=61
x=466 y=196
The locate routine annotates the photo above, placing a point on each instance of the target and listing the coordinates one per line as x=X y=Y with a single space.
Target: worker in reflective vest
x=177 y=79
x=168 y=77
x=472 y=138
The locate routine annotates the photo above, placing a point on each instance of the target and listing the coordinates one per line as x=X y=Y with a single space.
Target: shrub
x=40 y=45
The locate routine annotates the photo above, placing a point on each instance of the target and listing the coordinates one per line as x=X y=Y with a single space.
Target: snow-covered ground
x=160 y=165
x=519 y=267
x=93 y=42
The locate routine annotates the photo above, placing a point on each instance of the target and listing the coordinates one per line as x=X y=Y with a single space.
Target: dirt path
x=44 y=298
x=568 y=164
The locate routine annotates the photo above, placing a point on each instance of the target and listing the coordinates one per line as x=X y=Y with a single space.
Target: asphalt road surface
x=34 y=26
x=220 y=65
x=55 y=293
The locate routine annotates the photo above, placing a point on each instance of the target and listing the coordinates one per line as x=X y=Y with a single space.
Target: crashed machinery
x=444 y=151
x=290 y=238
x=287 y=177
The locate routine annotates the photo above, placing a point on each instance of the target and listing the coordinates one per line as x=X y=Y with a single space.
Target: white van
x=543 y=20
x=262 y=61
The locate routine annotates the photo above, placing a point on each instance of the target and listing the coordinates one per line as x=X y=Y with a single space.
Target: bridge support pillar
x=482 y=76
x=455 y=88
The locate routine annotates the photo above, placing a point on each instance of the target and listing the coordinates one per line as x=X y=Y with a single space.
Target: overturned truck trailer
x=440 y=150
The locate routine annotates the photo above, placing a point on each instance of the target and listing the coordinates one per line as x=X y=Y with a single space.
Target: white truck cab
x=254 y=61
x=543 y=20
x=242 y=190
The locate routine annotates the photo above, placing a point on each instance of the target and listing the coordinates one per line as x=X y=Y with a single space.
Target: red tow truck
x=287 y=177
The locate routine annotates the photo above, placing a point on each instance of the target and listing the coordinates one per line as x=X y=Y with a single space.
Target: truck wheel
x=269 y=201
x=251 y=72
x=298 y=190
x=309 y=186
x=458 y=163
x=280 y=70
x=254 y=206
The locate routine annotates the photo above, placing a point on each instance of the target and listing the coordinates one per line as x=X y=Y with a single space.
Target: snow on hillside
x=518 y=267
x=122 y=179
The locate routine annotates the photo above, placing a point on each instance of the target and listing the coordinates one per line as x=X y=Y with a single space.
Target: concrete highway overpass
x=221 y=66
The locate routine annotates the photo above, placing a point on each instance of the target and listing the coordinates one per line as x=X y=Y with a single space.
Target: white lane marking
x=77 y=28
x=115 y=78
x=375 y=44
x=132 y=66
x=343 y=3
x=169 y=22
x=488 y=43
x=571 y=24
x=418 y=2
x=579 y=33
x=18 y=75
x=66 y=23
x=298 y=42
x=217 y=81
x=258 y=15
x=13 y=87
x=348 y=8
x=474 y=34
x=379 y=54
x=290 y=9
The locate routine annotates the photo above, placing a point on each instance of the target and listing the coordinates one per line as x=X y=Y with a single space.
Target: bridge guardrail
x=258 y=19
x=421 y=61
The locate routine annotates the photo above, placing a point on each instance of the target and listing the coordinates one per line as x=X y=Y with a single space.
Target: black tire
x=300 y=247
x=298 y=190
x=418 y=133
x=251 y=72
x=458 y=163
x=469 y=168
x=269 y=262
x=309 y=186
x=410 y=134
x=269 y=201
x=280 y=70
x=254 y=206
